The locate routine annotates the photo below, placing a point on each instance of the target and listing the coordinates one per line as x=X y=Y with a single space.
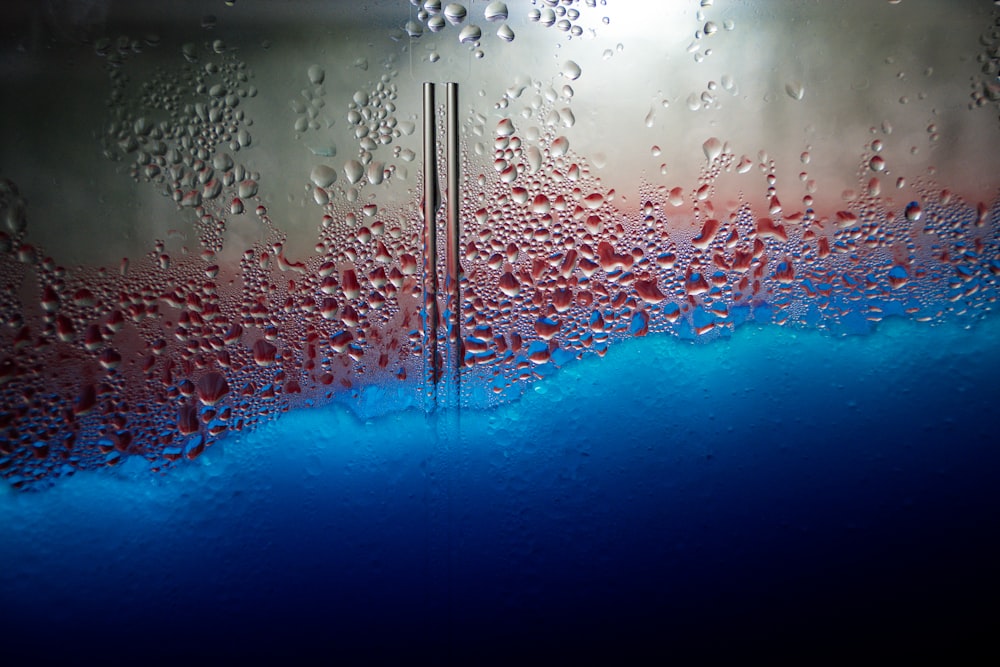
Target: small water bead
x=650 y=119
x=505 y=33
x=795 y=90
x=877 y=163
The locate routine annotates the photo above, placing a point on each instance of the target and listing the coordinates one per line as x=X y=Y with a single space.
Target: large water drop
x=495 y=11
x=571 y=70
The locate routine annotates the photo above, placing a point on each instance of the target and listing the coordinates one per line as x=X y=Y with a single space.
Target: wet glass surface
x=702 y=244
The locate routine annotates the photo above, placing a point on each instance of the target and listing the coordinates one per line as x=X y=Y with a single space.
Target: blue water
x=781 y=487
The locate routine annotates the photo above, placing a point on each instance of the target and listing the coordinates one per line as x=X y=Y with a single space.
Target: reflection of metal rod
x=432 y=361
x=453 y=285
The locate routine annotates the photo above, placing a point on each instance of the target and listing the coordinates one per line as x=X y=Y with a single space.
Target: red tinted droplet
x=64 y=328
x=349 y=281
x=264 y=353
x=340 y=341
x=407 y=264
x=648 y=291
x=110 y=359
x=769 y=229
x=546 y=327
x=329 y=308
x=86 y=400
x=509 y=285
x=187 y=420
x=212 y=388
x=707 y=235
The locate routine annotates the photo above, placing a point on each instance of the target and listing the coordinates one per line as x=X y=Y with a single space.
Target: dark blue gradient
x=783 y=490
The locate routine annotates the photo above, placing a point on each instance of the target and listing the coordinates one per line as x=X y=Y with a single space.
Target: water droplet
x=248 y=188
x=495 y=11
x=559 y=147
x=877 y=163
x=264 y=353
x=323 y=176
x=712 y=148
x=470 y=34
x=376 y=172
x=353 y=170
x=540 y=205
x=505 y=33
x=534 y=158
x=316 y=74
x=571 y=70
x=413 y=29
x=650 y=117
x=509 y=285
x=913 y=211
x=212 y=388
x=505 y=128
x=455 y=13
x=795 y=90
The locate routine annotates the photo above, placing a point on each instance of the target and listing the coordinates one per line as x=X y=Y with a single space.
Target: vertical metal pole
x=453 y=277
x=432 y=360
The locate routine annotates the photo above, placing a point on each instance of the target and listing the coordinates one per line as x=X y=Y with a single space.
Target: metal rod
x=432 y=360
x=453 y=277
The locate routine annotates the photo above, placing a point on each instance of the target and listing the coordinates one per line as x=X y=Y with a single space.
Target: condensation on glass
x=209 y=219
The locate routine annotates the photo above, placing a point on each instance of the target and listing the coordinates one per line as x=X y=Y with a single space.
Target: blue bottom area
x=781 y=488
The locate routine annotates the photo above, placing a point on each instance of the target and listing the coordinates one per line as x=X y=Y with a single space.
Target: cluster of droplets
x=161 y=356
x=699 y=46
x=554 y=269
x=436 y=17
x=563 y=15
x=986 y=90
x=309 y=113
x=373 y=116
